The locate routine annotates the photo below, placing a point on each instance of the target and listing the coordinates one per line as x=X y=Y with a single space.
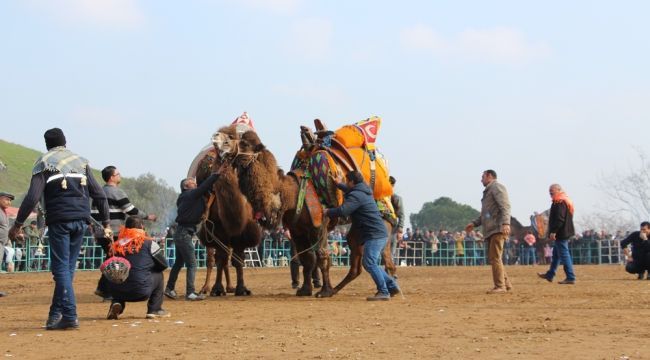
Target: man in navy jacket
x=366 y=220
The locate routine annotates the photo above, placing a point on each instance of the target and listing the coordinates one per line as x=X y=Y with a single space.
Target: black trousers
x=155 y=298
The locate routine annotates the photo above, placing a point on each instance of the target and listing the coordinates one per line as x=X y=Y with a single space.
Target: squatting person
x=640 y=262
x=145 y=281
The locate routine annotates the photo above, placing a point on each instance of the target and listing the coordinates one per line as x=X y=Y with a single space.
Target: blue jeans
x=371 y=254
x=561 y=252
x=529 y=256
x=65 y=243
x=184 y=256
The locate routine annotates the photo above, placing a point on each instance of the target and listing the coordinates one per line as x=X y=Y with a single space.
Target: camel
x=283 y=198
x=229 y=227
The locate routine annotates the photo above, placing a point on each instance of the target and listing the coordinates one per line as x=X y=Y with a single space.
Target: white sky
x=541 y=92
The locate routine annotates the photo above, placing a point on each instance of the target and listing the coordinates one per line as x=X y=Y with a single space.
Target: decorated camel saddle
x=327 y=155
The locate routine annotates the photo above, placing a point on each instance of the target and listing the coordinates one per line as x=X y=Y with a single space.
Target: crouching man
x=145 y=280
x=639 y=263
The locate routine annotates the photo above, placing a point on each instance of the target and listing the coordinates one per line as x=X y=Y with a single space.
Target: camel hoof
x=217 y=293
x=303 y=292
x=242 y=292
x=218 y=290
x=324 y=294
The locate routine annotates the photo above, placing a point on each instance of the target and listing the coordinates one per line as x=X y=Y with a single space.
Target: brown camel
x=230 y=227
x=310 y=240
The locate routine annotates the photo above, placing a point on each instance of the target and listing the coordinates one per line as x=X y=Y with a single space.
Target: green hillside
x=18 y=161
x=17 y=171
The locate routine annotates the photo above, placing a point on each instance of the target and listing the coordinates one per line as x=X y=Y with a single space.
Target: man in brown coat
x=495 y=219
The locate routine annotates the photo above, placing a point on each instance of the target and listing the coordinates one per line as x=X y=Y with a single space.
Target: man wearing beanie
x=64 y=182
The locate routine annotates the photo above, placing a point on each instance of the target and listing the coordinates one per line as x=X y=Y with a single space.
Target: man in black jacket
x=366 y=220
x=65 y=183
x=190 y=209
x=640 y=251
x=145 y=281
x=560 y=229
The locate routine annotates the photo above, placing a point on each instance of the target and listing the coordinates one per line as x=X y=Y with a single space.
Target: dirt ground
x=444 y=313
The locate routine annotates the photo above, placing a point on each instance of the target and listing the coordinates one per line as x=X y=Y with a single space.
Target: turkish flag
x=370 y=129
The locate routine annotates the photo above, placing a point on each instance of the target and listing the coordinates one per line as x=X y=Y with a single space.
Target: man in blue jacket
x=190 y=209
x=366 y=220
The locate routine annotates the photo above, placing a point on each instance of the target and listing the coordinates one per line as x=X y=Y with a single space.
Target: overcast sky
x=542 y=92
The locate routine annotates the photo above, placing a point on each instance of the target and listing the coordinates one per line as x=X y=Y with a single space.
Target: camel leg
x=308 y=262
x=210 y=259
x=389 y=264
x=241 y=289
x=226 y=272
x=356 y=251
x=222 y=261
x=324 y=262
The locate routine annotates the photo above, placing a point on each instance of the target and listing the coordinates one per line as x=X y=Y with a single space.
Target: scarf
x=561 y=196
x=129 y=241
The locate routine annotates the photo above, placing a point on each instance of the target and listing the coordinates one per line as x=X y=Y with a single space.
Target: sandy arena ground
x=444 y=313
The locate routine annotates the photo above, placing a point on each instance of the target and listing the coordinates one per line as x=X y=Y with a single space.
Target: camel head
x=226 y=141
x=251 y=143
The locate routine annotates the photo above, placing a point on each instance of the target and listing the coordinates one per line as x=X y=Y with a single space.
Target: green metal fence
x=278 y=253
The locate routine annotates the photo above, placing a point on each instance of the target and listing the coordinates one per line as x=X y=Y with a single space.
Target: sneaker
x=52 y=320
x=63 y=324
x=543 y=276
x=194 y=297
x=497 y=290
x=113 y=311
x=158 y=314
x=394 y=292
x=170 y=294
x=379 y=297
x=567 y=282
